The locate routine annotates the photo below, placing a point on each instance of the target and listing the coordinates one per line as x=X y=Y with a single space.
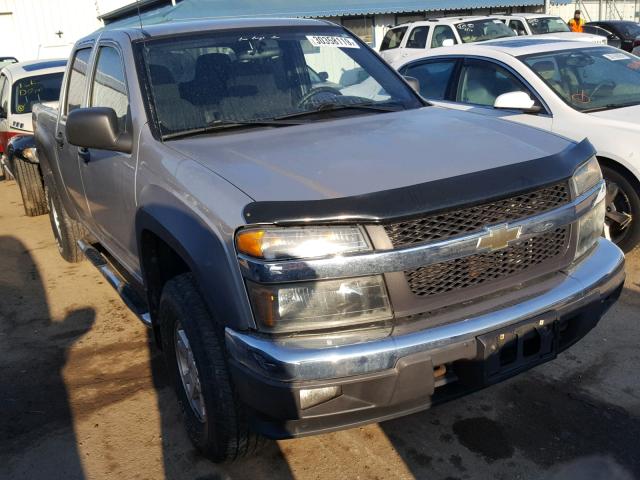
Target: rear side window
x=418 y=37
x=393 y=38
x=109 y=88
x=77 y=80
x=434 y=77
x=31 y=90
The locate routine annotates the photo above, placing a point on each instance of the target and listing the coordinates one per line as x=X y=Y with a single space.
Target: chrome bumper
x=592 y=279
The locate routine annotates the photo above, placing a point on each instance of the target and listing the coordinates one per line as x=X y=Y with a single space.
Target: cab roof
x=35 y=67
x=446 y=20
x=179 y=27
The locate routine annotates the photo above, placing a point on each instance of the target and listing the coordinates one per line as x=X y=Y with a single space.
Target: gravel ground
x=83 y=394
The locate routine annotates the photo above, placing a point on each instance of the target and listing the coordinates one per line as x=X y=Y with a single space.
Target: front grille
x=477 y=269
x=465 y=220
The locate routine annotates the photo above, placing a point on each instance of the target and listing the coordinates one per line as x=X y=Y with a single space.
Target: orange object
x=576 y=25
x=250 y=242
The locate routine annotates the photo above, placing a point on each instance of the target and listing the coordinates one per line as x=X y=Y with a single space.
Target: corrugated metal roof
x=192 y=9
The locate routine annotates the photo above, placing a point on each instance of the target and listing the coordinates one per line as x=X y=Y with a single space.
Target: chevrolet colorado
x=313 y=253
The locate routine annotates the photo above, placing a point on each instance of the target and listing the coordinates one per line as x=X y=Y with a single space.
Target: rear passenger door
x=108 y=176
x=435 y=76
x=74 y=97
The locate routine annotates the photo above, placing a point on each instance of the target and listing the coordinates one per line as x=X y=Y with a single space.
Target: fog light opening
x=310 y=397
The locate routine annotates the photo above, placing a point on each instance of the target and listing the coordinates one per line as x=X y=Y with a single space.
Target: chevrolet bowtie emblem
x=498 y=237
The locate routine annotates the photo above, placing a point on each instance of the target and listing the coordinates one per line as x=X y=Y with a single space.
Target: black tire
x=66 y=231
x=222 y=433
x=29 y=181
x=626 y=202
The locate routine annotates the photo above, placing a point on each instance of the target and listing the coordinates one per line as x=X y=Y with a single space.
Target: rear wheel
x=623 y=210
x=29 y=181
x=66 y=231
x=193 y=345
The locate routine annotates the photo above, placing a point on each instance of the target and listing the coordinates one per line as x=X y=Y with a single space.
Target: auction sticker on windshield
x=616 y=56
x=332 y=41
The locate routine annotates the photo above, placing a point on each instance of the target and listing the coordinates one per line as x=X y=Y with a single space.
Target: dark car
x=613 y=40
x=625 y=29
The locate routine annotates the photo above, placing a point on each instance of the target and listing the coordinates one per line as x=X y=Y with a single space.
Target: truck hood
x=365 y=154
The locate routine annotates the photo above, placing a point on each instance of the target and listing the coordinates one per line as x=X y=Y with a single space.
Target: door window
x=77 y=80
x=418 y=37
x=393 y=38
x=434 y=77
x=440 y=34
x=482 y=82
x=109 y=88
x=518 y=27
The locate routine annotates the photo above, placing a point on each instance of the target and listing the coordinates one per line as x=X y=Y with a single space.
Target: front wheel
x=193 y=346
x=623 y=210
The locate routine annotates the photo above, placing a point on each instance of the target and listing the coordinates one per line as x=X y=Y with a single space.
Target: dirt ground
x=83 y=395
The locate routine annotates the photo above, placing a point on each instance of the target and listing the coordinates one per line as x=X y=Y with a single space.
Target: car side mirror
x=324 y=76
x=413 y=82
x=448 y=42
x=97 y=127
x=516 y=101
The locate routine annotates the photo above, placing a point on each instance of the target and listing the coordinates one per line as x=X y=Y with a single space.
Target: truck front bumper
x=394 y=376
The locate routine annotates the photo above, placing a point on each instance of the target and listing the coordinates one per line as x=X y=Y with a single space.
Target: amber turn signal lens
x=250 y=242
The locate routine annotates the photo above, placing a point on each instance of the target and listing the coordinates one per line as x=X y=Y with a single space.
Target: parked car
x=627 y=31
x=22 y=85
x=612 y=39
x=311 y=260
x=548 y=26
x=408 y=38
x=569 y=88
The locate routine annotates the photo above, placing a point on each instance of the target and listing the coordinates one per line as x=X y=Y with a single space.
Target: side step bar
x=129 y=296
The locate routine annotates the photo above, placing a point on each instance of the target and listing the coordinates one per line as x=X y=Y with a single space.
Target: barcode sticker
x=331 y=41
x=615 y=56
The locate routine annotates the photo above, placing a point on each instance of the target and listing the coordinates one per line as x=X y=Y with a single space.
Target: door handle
x=59 y=139
x=84 y=154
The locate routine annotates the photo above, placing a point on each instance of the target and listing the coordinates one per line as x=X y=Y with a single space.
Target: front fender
x=204 y=251
x=17 y=146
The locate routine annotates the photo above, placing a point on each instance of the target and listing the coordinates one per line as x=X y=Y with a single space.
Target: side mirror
x=324 y=76
x=413 y=83
x=516 y=101
x=97 y=127
x=448 y=42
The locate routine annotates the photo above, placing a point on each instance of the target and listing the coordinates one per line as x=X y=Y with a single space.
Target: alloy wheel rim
x=189 y=373
x=618 y=217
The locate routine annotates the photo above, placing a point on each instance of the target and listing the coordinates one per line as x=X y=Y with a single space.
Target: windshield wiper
x=218 y=125
x=333 y=107
x=610 y=106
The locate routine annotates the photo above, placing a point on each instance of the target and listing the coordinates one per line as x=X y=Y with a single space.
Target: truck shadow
x=36 y=412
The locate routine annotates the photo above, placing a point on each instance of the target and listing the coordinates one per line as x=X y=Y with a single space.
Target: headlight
x=586 y=176
x=300 y=242
x=590 y=228
x=320 y=305
x=591 y=225
x=29 y=154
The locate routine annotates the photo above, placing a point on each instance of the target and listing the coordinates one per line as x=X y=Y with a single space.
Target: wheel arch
x=620 y=168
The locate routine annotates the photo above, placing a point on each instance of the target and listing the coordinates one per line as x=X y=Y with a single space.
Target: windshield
x=588 y=79
x=227 y=77
x=547 y=25
x=31 y=90
x=481 y=30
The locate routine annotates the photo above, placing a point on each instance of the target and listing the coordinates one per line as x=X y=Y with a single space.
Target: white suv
x=406 y=39
x=547 y=26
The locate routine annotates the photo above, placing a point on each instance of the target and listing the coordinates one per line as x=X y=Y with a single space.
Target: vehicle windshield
x=547 y=25
x=221 y=78
x=31 y=90
x=481 y=30
x=589 y=79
